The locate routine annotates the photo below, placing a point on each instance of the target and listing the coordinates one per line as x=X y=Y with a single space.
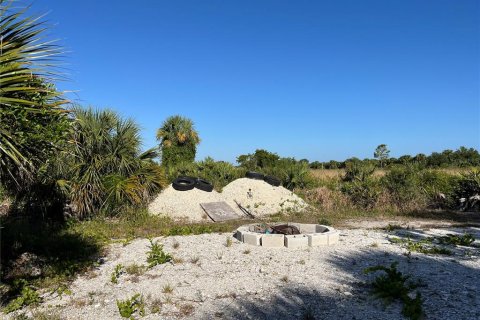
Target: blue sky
x=307 y=79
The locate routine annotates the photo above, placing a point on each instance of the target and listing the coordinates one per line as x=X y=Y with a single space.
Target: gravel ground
x=211 y=280
x=257 y=196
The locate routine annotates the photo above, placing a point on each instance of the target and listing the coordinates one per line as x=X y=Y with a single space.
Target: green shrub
x=156 y=255
x=129 y=307
x=393 y=285
x=362 y=193
x=28 y=295
x=403 y=185
x=358 y=171
x=292 y=173
x=468 y=185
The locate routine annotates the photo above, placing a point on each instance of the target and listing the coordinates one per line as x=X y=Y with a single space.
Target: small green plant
x=176 y=245
x=466 y=240
x=156 y=255
x=129 y=307
x=246 y=251
x=167 y=289
x=393 y=285
x=423 y=246
x=156 y=306
x=228 y=242
x=28 y=296
x=117 y=272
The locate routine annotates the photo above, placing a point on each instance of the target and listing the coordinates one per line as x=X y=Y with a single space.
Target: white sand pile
x=261 y=198
x=257 y=196
x=183 y=204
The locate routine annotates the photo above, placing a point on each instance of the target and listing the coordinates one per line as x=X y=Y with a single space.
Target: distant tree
x=381 y=153
x=178 y=140
x=260 y=159
x=405 y=159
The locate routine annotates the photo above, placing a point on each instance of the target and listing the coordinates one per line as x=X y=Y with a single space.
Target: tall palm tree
x=106 y=168
x=27 y=100
x=178 y=140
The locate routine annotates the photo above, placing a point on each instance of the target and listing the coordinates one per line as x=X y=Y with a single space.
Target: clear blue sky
x=308 y=79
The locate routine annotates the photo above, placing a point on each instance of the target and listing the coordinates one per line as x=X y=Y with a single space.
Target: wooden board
x=219 y=211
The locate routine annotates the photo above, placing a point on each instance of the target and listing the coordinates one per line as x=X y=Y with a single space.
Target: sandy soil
x=211 y=280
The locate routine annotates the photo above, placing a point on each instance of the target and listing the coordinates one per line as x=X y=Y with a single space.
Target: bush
x=219 y=173
x=363 y=193
x=468 y=185
x=293 y=174
x=403 y=185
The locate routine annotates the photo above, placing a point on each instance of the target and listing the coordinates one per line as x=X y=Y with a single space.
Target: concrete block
x=296 y=241
x=307 y=228
x=252 y=238
x=240 y=232
x=333 y=237
x=317 y=239
x=273 y=240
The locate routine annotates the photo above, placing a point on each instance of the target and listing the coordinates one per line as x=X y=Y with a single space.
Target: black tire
x=272 y=181
x=184 y=183
x=204 y=185
x=254 y=175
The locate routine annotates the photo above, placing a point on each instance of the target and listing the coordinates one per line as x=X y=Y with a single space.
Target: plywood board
x=219 y=211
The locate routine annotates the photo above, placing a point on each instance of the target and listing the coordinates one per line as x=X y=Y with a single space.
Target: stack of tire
x=185 y=183
x=271 y=180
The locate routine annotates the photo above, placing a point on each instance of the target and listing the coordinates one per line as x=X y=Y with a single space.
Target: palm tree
x=106 y=168
x=178 y=140
x=28 y=102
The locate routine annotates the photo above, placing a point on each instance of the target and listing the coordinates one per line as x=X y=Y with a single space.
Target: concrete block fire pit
x=311 y=235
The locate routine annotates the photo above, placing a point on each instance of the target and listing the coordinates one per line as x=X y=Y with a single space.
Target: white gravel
x=249 y=282
x=257 y=196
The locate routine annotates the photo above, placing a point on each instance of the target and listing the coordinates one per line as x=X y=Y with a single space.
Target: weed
x=392 y=227
x=156 y=306
x=129 y=307
x=284 y=279
x=176 y=245
x=156 y=255
x=28 y=296
x=466 y=240
x=302 y=262
x=135 y=269
x=307 y=314
x=194 y=259
x=177 y=260
x=324 y=222
x=116 y=273
x=186 y=310
x=167 y=289
x=247 y=251
x=374 y=245
x=423 y=246
x=228 y=242
x=395 y=286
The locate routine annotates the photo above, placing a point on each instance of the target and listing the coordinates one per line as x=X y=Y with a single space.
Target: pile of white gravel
x=183 y=204
x=261 y=198
x=257 y=196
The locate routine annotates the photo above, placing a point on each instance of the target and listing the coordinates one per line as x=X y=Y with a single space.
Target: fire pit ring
x=311 y=235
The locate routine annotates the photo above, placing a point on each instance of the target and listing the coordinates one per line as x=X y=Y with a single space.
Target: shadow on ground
x=37 y=250
x=448 y=285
